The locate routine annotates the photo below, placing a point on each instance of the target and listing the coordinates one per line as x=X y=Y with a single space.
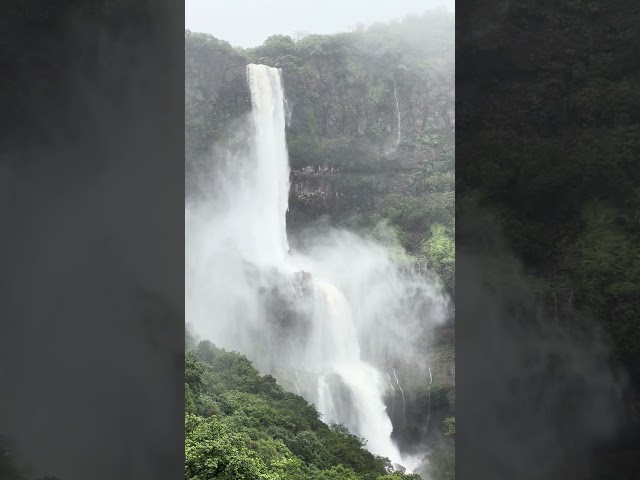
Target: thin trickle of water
x=404 y=406
x=325 y=401
x=295 y=384
x=390 y=384
x=395 y=94
x=429 y=407
x=393 y=394
x=299 y=383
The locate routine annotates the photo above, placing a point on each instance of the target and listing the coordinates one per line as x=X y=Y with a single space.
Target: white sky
x=247 y=23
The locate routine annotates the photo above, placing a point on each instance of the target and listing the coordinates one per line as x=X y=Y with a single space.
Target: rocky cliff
x=370 y=134
x=371 y=120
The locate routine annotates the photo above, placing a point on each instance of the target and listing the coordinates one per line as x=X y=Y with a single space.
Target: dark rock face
x=419 y=420
x=330 y=193
x=288 y=302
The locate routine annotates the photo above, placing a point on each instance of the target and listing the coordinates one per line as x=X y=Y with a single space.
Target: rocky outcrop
x=288 y=302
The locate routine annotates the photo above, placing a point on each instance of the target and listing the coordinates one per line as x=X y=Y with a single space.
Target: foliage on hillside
x=240 y=424
x=555 y=154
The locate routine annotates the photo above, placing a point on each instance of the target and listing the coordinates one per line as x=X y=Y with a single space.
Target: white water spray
x=345 y=306
x=267 y=230
x=355 y=396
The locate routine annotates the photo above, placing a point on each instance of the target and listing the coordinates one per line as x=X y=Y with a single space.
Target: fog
x=549 y=390
x=248 y=23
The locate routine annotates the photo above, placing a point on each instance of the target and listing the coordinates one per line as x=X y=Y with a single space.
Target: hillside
x=240 y=424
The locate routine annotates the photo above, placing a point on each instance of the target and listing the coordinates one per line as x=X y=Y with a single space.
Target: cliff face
x=215 y=92
x=368 y=111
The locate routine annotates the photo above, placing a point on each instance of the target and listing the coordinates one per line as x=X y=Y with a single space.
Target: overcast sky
x=247 y=23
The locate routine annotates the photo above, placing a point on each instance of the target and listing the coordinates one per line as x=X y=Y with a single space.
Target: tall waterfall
x=333 y=347
x=266 y=183
x=270 y=178
x=361 y=309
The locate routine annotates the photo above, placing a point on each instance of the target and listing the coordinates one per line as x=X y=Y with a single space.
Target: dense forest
x=370 y=136
x=547 y=149
x=555 y=161
x=240 y=424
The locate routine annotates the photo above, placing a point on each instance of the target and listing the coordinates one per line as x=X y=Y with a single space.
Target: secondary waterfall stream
x=395 y=96
x=323 y=320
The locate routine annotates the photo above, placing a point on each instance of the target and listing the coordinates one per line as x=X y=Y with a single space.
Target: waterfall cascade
x=348 y=390
x=238 y=254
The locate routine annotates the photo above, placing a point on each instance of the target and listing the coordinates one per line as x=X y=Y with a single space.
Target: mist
x=294 y=18
x=551 y=391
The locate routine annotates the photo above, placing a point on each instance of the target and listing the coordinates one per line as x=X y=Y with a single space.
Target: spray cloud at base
x=329 y=317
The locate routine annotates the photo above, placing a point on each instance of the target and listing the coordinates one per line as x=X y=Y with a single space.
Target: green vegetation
x=562 y=174
x=241 y=425
x=425 y=227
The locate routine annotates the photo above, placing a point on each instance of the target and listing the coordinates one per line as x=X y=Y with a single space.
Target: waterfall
x=296 y=385
x=429 y=390
x=357 y=307
x=349 y=391
x=390 y=384
x=269 y=179
x=404 y=405
x=395 y=95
